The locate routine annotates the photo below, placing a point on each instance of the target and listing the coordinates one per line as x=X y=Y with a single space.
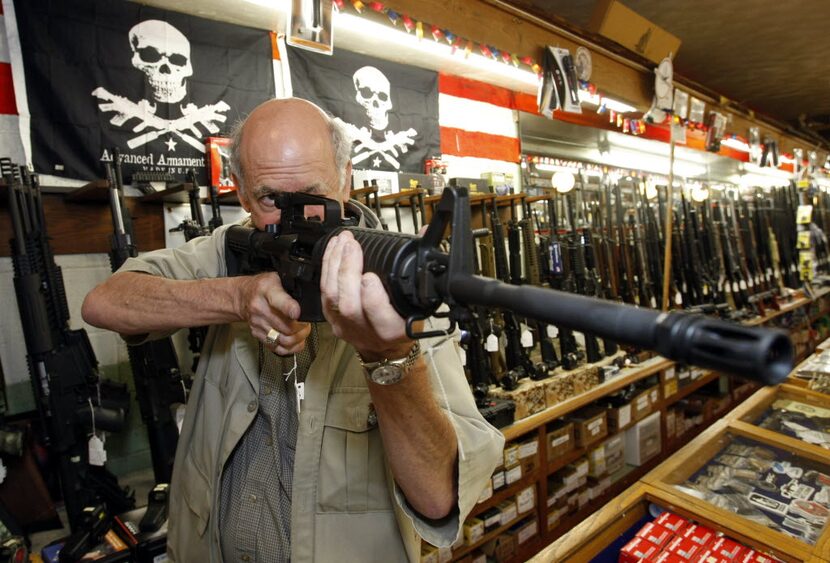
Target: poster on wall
x=391 y=109
x=152 y=82
x=219 y=164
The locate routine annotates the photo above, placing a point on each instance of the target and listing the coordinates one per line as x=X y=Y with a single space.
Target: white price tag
x=735 y=287
x=180 y=410
x=552 y=331
x=97 y=453
x=527 y=339
x=492 y=343
x=678 y=299
x=743 y=284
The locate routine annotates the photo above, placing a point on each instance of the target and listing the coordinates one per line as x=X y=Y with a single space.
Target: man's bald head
x=293 y=124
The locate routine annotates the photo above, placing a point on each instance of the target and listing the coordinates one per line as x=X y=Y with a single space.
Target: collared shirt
x=255 y=505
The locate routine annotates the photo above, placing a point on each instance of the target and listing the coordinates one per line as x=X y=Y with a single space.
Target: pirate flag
x=390 y=109
x=155 y=83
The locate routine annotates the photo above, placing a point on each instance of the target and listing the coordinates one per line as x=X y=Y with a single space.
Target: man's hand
x=265 y=305
x=357 y=305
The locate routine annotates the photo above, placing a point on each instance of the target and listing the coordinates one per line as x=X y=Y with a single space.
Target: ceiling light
x=563 y=181
x=610 y=103
x=700 y=193
x=438 y=49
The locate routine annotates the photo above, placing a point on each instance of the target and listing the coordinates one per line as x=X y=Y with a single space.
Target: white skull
x=372 y=92
x=162 y=53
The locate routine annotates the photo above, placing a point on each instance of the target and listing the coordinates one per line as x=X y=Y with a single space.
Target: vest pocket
x=352 y=474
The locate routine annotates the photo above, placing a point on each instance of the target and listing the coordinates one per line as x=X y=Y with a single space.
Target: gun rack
x=177 y=193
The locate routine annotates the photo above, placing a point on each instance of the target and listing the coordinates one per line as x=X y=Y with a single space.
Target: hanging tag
x=552 y=331
x=678 y=299
x=492 y=343
x=299 y=387
x=653 y=302
x=527 y=339
x=179 y=415
x=463 y=355
x=97 y=453
x=706 y=289
x=742 y=285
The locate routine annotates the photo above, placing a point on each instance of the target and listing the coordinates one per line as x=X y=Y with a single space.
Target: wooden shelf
x=178 y=193
x=97 y=191
x=627 y=377
x=492 y=534
x=508 y=491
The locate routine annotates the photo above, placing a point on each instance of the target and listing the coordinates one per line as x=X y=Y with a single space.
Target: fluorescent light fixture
x=610 y=103
x=438 y=49
x=278 y=5
x=735 y=144
x=775 y=173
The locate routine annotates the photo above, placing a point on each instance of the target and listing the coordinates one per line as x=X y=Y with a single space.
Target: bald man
x=358 y=470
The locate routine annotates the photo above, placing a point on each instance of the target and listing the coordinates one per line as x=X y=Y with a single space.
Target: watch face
x=387 y=374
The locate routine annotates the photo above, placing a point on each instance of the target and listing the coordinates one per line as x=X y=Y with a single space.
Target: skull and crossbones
x=373 y=94
x=162 y=53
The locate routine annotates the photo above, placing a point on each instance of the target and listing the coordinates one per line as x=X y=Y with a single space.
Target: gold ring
x=273 y=337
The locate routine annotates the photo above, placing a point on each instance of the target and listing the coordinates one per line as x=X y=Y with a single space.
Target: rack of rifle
x=730 y=258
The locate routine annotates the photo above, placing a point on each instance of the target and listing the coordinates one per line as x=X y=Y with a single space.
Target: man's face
x=275 y=163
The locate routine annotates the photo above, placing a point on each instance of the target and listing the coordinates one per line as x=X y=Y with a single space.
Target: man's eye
x=268 y=200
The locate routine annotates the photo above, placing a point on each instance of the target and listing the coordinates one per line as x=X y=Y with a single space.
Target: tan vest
x=345 y=506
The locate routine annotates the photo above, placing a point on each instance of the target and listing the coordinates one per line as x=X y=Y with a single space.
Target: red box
x=656 y=534
x=709 y=556
x=672 y=521
x=669 y=557
x=727 y=548
x=751 y=556
x=637 y=549
x=687 y=549
x=701 y=535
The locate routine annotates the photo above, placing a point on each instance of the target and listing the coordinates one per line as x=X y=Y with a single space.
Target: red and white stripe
x=479 y=131
x=10 y=142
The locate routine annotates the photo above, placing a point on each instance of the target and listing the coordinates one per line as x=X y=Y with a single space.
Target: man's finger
x=351 y=270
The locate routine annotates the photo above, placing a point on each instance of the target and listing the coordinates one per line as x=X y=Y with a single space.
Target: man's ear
x=243 y=201
x=346 y=188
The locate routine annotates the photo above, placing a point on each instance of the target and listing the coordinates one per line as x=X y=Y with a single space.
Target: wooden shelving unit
x=536 y=426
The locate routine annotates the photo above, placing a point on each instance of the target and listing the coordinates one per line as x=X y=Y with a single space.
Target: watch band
x=389 y=372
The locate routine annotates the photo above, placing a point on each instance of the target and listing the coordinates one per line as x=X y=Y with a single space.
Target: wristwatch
x=389 y=372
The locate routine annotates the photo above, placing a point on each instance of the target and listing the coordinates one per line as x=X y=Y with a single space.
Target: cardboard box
x=525 y=530
x=619 y=23
x=684 y=548
x=526 y=499
x=473 y=530
x=724 y=547
x=644 y=403
x=672 y=521
x=511 y=455
x=638 y=549
x=498 y=480
x=529 y=455
x=642 y=441
x=656 y=534
x=491 y=518
x=590 y=426
x=596 y=461
x=699 y=534
x=614 y=453
x=508 y=510
x=619 y=417
x=560 y=441
x=512 y=475
x=501 y=548
x=529 y=396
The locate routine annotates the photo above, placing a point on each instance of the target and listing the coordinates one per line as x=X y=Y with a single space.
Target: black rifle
x=645 y=289
x=692 y=263
x=593 y=281
x=498 y=412
x=419 y=278
x=518 y=362
x=579 y=279
x=216 y=214
x=735 y=284
x=531 y=252
x=569 y=353
x=626 y=266
x=70 y=396
x=155 y=365
x=651 y=243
